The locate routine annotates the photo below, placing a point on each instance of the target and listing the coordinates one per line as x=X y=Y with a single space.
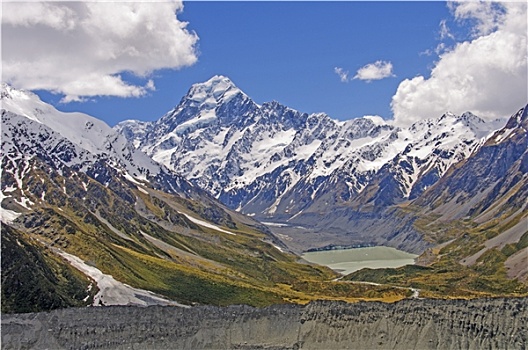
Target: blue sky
x=289 y=52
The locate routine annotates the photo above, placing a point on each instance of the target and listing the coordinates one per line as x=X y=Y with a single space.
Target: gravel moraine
x=409 y=324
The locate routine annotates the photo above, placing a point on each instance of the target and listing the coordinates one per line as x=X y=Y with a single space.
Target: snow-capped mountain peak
x=518 y=124
x=207 y=97
x=216 y=90
x=83 y=130
x=24 y=103
x=216 y=101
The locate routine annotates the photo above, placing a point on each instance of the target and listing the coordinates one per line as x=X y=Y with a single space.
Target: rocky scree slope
x=417 y=324
x=285 y=166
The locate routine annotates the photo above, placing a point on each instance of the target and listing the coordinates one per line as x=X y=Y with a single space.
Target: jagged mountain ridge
x=274 y=162
x=477 y=184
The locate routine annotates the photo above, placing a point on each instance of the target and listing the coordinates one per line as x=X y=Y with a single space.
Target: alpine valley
x=213 y=202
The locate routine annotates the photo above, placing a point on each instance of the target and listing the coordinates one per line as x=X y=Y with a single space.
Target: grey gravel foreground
x=409 y=324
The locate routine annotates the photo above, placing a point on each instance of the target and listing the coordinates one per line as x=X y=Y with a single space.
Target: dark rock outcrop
x=409 y=324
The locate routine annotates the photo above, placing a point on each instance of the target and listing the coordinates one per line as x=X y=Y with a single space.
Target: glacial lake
x=346 y=261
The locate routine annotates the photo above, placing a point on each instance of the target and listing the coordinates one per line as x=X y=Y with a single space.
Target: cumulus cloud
x=375 y=71
x=486 y=75
x=83 y=49
x=343 y=75
x=485 y=15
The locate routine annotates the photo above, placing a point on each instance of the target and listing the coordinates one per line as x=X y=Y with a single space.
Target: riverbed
x=346 y=261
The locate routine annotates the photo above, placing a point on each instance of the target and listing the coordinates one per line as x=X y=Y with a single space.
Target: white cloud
x=375 y=71
x=83 y=49
x=343 y=75
x=487 y=75
x=48 y=14
x=444 y=31
x=486 y=15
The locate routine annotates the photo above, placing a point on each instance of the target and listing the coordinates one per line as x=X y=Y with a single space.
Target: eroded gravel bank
x=409 y=324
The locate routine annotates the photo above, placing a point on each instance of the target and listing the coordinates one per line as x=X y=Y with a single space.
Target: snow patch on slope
x=7 y=216
x=113 y=292
x=206 y=224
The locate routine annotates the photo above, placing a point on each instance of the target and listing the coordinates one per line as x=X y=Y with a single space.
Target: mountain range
x=295 y=169
x=209 y=203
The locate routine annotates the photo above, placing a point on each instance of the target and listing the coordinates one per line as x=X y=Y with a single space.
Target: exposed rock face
x=410 y=324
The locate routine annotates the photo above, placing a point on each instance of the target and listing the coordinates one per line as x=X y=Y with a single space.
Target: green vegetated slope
x=148 y=239
x=477 y=215
x=34 y=279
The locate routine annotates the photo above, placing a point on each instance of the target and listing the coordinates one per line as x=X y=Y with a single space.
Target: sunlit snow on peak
x=215 y=90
